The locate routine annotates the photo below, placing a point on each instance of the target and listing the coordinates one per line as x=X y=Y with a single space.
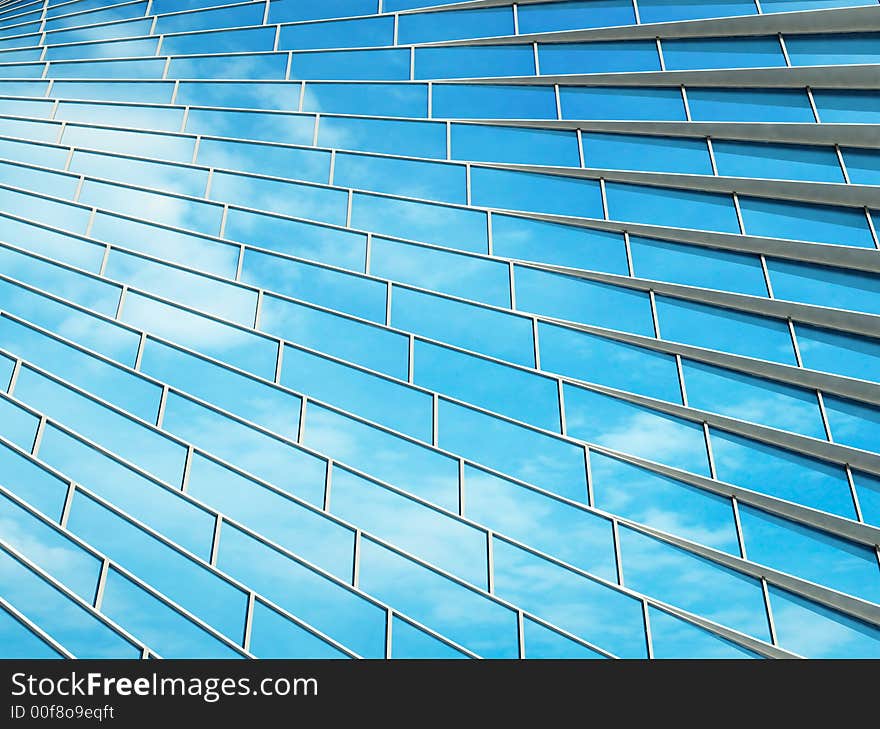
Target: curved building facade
x=362 y=328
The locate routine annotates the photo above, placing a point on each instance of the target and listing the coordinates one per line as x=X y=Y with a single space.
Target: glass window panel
x=543 y=17
x=23 y=88
x=469 y=277
x=335 y=610
x=813 y=555
x=171 y=178
x=29 y=178
x=843 y=354
x=239 y=94
x=130 y=439
x=664 y=503
x=107 y=31
x=726 y=330
x=102 y=15
x=862 y=165
x=463 y=61
x=853 y=424
x=264 y=126
x=222 y=41
x=753 y=399
x=781 y=6
x=243 y=349
x=31 y=483
x=547 y=462
x=565 y=245
x=151 y=68
x=495 y=333
x=268 y=458
x=37 y=154
x=7 y=364
x=18 y=425
x=188 y=583
x=829 y=50
x=274 y=636
x=150 y=92
x=605 y=420
x=562 y=530
x=815 y=631
x=387 y=136
x=367 y=99
x=47 y=546
x=467 y=617
x=18 y=641
x=592 y=611
x=315 y=203
x=868 y=491
x=700 y=53
x=455 y=24
x=409 y=466
x=293 y=237
x=420 y=530
x=694 y=583
x=583 y=301
x=657 y=11
x=358 y=33
x=178 y=212
x=283 y=11
x=408 y=641
x=70 y=217
x=598 y=57
x=516 y=393
x=97 y=334
x=194 y=251
x=231 y=17
x=651 y=153
x=541 y=642
x=513 y=190
x=484 y=143
x=236 y=392
x=616 y=102
x=303 y=164
x=620 y=365
x=780 y=473
x=457 y=101
x=413 y=178
x=163 y=509
x=672 y=637
x=750 y=105
x=776 y=161
x=238 y=66
x=802 y=221
x=697 y=266
x=672 y=208
x=111 y=49
x=460 y=228
x=384 y=64
x=383 y=401
x=107 y=381
x=287 y=523
x=359 y=342
x=162 y=628
x=234 y=303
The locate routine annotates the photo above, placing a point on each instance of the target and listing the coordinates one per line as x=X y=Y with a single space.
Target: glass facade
x=377 y=329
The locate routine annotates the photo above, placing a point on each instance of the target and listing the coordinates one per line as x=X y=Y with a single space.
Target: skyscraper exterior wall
x=361 y=328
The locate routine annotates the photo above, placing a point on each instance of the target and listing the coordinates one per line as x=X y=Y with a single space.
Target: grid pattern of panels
x=385 y=329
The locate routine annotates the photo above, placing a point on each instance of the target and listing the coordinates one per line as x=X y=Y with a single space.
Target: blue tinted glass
x=847 y=106
x=19 y=426
x=363 y=32
x=673 y=208
x=480 y=142
x=842 y=354
x=776 y=161
x=757 y=105
x=602 y=57
x=784 y=474
x=542 y=17
x=537 y=193
x=810 y=222
x=302 y=164
x=699 y=53
x=386 y=64
x=252 y=125
x=427 y=180
x=724 y=329
x=367 y=98
x=868 y=490
x=493 y=102
x=604 y=420
x=389 y=136
x=462 y=62
x=672 y=637
x=18 y=641
x=477 y=23
x=583 y=301
x=829 y=50
x=621 y=103
x=863 y=165
x=30 y=482
x=853 y=424
x=815 y=631
x=607 y=362
x=695 y=266
x=752 y=398
x=661 y=502
x=655 y=11
x=408 y=641
x=283 y=11
x=654 y=154
x=274 y=636
x=550 y=463
x=680 y=578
